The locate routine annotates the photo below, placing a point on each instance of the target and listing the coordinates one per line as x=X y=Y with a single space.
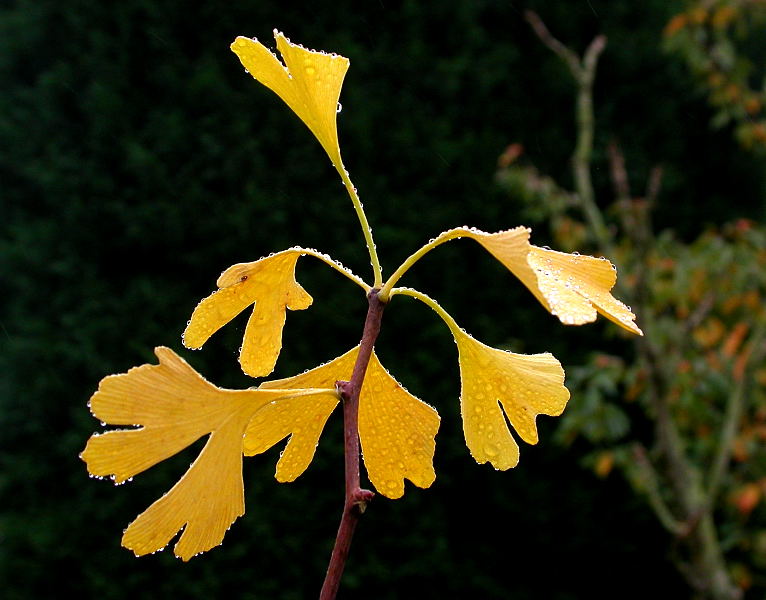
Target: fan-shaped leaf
x=270 y=284
x=309 y=82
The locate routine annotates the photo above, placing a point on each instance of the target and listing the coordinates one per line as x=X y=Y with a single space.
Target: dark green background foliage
x=137 y=161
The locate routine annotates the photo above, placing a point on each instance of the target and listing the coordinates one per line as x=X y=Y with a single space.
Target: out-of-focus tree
x=684 y=418
x=715 y=39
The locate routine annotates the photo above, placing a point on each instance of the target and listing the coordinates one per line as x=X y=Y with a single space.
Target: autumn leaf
x=396 y=430
x=572 y=287
x=747 y=497
x=270 y=284
x=309 y=82
x=175 y=406
x=494 y=382
x=734 y=339
x=397 y=433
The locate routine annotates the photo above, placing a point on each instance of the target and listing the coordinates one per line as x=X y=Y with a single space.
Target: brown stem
x=356 y=498
x=618 y=172
x=569 y=57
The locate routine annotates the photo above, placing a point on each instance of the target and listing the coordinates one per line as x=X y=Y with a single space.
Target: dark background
x=137 y=161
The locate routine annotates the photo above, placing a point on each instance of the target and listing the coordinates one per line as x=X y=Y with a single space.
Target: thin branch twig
x=618 y=172
x=652 y=489
x=556 y=46
x=584 y=72
x=654 y=184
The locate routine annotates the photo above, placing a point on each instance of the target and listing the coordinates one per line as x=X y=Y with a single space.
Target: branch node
x=360 y=499
x=344 y=388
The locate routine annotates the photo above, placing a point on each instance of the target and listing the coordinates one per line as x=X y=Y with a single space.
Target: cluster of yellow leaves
x=174 y=406
x=170 y=406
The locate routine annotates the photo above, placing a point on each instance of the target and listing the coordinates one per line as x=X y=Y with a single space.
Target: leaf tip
x=239 y=43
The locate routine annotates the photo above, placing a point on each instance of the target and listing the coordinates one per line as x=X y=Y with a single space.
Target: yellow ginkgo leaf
x=396 y=429
x=575 y=285
x=270 y=284
x=204 y=502
x=397 y=432
x=175 y=406
x=495 y=381
x=301 y=418
x=572 y=287
x=309 y=82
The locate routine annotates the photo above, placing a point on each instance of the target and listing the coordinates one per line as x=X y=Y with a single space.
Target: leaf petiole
x=430 y=302
x=445 y=236
x=366 y=229
x=293 y=393
x=337 y=266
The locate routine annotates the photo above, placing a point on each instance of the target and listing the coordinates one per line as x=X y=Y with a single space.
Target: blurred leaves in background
x=136 y=158
x=682 y=415
x=722 y=44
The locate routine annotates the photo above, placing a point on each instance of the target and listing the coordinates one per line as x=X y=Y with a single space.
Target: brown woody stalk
x=356 y=498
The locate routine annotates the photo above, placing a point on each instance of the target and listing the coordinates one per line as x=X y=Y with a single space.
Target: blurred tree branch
x=584 y=72
x=683 y=309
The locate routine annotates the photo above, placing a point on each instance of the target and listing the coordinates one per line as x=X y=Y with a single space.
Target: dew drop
x=338 y=109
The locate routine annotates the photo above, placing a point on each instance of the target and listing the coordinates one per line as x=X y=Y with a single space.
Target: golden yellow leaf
x=204 y=502
x=496 y=384
x=175 y=406
x=396 y=429
x=309 y=82
x=495 y=381
x=570 y=286
x=302 y=418
x=397 y=432
x=270 y=284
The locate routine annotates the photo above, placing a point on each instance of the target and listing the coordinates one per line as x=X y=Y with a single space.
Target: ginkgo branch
x=395 y=429
x=356 y=498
